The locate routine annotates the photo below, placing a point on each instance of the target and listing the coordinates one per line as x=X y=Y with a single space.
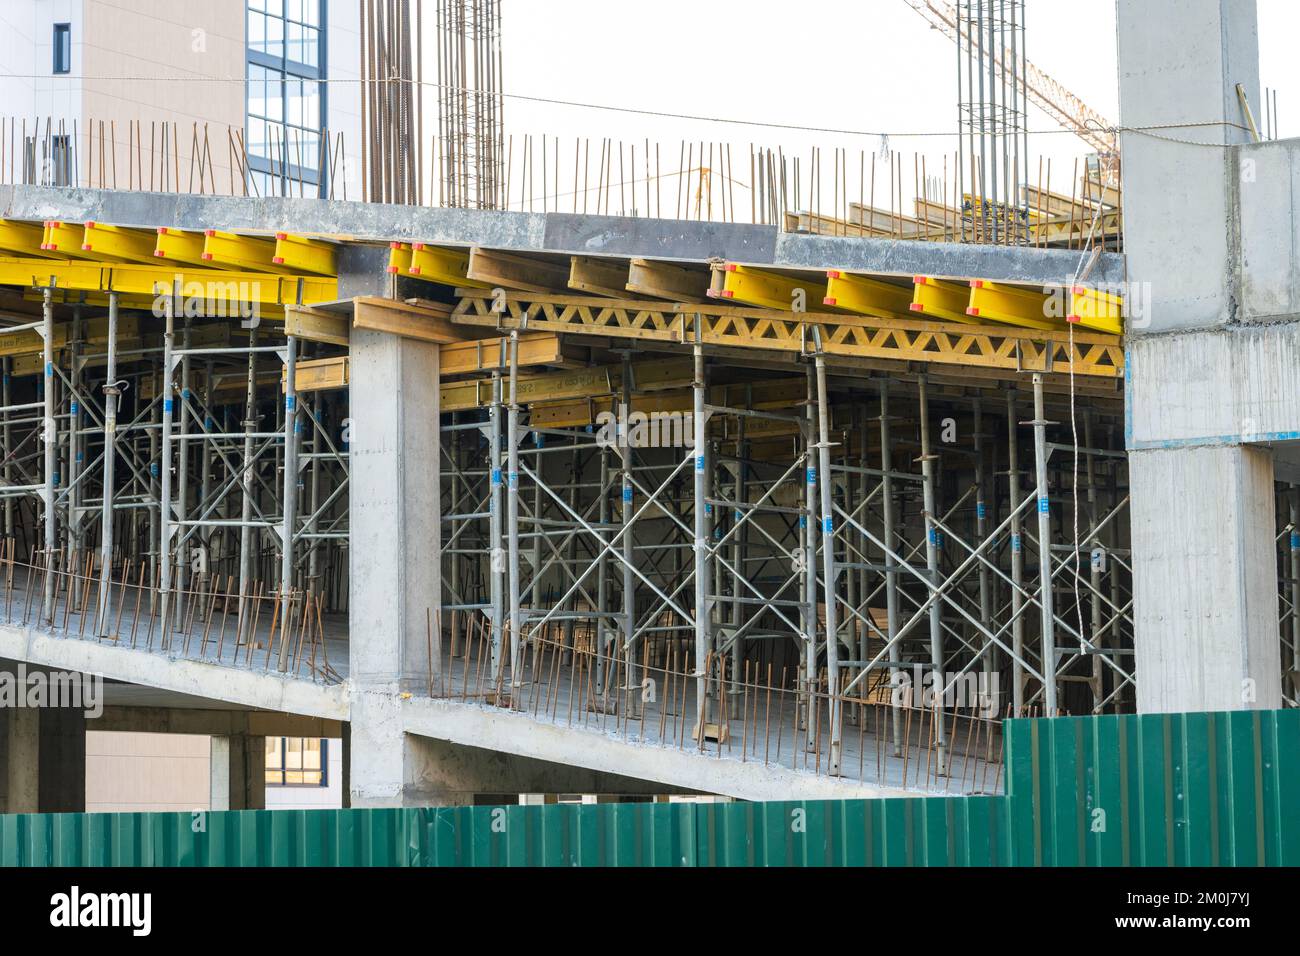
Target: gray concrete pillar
x=1204 y=580
x=1180 y=62
x=238 y=773
x=394 y=501
x=45 y=761
x=1203 y=523
x=394 y=560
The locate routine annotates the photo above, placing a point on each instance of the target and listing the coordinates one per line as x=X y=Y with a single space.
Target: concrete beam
x=174 y=720
x=521 y=735
x=561 y=233
x=263 y=691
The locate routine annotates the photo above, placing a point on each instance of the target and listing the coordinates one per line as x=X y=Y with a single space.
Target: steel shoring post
x=1295 y=577
x=1048 y=653
x=512 y=518
x=602 y=574
x=111 y=393
x=810 y=559
x=497 y=558
x=51 y=450
x=183 y=475
x=75 y=457
x=8 y=450
x=891 y=573
x=165 y=472
x=990 y=665
x=246 y=505
x=627 y=620
x=1017 y=561
x=290 y=496
x=205 y=465
x=932 y=572
x=701 y=494
x=829 y=569
x=1094 y=572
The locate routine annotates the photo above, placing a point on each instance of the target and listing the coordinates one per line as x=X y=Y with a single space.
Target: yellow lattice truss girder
x=1004 y=348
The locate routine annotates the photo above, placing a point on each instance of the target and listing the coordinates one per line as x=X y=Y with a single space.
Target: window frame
x=287 y=72
x=283 y=770
x=61 y=42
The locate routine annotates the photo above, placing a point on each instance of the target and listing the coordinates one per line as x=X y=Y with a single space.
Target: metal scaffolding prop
x=854 y=550
x=838 y=543
x=163 y=492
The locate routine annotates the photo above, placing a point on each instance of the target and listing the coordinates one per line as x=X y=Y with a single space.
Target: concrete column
x=1179 y=63
x=45 y=761
x=1205 y=580
x=1203 y=522
x=394 y=561
x=238 y=774
x=394 y=500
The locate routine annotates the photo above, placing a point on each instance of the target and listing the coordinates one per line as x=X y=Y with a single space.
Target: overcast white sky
x=860 y=65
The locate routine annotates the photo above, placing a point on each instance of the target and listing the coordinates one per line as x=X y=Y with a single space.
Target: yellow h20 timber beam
x=176 y=245
x=399 y=258
x=241 y=252
x=22 y=238
x=447 y=266
x=65 y=240
x=867 y=296
x=941 y=300
x=120 y=243
x=1095 y=309
x=299 y=254
x=770 y=290
x=993 y=301
x=223 y=289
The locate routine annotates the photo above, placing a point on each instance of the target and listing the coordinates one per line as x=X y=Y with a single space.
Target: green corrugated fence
x=1152 y=790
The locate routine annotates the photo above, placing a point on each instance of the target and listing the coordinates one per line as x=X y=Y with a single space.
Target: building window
x=297 y=762
x=285 y=96
x=63 y=48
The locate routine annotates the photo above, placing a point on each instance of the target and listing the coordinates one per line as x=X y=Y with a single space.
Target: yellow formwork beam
x=300 y=254
x=993 y=301
x=240 y=252
x=119 y=243
x=399 y=258
x=65 y=240
x=941 y=300
x=866 y=296
x=1095 y=309
x=994 y=347
x=22 y=238
x=447 y=266
x=177 y=245
x=143 y=280
x=769 y=290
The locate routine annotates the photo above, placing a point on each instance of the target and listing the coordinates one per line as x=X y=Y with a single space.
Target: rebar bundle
x=470 y=109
